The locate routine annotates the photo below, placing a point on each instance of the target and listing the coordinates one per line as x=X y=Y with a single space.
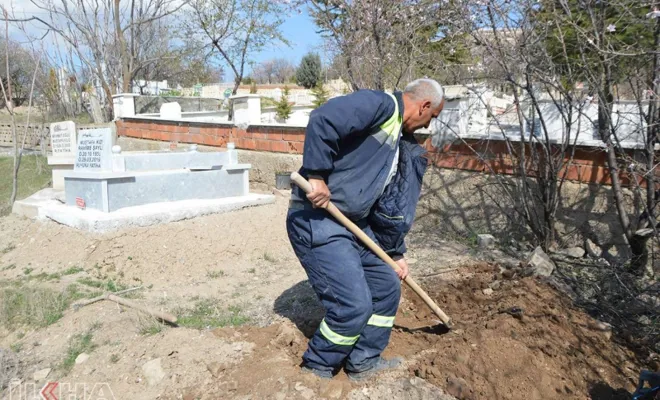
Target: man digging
x=359 y=151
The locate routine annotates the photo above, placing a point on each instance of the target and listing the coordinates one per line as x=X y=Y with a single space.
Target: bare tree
x=7 y=94
x=277 y=70
x=379 y=41
x=109 y=39
x=236 y=29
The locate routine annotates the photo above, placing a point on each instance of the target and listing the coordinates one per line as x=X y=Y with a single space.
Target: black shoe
x=380 y=365
x=320 y=373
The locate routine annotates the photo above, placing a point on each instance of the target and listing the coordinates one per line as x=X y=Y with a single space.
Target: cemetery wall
x=588 y=164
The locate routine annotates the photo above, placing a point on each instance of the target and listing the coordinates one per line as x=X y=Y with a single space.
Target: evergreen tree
x=309 y=71
x=283 y=109
x=320 y=95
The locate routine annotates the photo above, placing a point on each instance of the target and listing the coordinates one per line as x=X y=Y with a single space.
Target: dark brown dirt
x=523 y=341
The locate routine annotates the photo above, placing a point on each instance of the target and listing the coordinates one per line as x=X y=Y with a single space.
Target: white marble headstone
x=63 y=138
x=94 y=150
x=170 y=111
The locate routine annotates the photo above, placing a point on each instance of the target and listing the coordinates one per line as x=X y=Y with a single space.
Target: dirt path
x=241 y=268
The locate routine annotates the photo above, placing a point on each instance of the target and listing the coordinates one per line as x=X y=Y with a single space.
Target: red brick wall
x=260 y=138
x=588 y=164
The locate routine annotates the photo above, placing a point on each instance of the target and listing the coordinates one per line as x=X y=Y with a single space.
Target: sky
x=298 y=28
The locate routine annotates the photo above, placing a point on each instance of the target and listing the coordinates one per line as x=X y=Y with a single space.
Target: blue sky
x=300 y=30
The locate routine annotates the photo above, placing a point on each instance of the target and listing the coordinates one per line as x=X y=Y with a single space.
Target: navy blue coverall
x=351 y=142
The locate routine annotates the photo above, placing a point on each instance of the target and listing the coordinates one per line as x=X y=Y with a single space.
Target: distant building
x=153 y=88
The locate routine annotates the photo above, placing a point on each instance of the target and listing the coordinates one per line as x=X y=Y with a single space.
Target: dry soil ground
x=245 y=311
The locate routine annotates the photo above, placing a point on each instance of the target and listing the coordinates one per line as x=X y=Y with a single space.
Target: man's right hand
x=320 y=194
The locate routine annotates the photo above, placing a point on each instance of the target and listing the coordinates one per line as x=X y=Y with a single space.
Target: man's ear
x=426 y=104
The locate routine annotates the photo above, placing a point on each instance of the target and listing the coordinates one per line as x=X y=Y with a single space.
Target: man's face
x=422 y=115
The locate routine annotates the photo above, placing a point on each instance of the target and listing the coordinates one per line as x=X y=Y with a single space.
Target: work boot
x=320 y=373
x=380 y=365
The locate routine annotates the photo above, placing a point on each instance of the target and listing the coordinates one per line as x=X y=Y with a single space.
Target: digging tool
x=120 y=300
x=339 y=216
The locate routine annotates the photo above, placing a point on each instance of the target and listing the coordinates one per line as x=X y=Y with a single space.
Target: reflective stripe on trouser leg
x=335 y=337
x=381 y=321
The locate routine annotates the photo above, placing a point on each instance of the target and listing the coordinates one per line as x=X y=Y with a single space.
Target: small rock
x=41 y=374
x=458 y=387
x=509 y=273
x=592 y=249
x=495 y=285
x=299 y=386
x=485 y=241
x=215 y=368
x=603 y=261
x=238 y=347
x=82 y=357
x=603 y=327
x=487 y=291
x=540 y=264
x=574 y=252
x=280 y=396
x=644 y=320
x=411 y=261
x=153 y=372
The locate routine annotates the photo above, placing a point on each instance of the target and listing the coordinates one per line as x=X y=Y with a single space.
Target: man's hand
x=403 y=265
x=320 y=194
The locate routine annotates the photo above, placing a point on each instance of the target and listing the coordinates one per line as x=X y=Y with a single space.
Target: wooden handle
x=339 y=216
x=161 y=315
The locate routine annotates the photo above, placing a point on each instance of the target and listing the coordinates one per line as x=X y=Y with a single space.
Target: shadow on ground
x=603 y=391
x=300 y=304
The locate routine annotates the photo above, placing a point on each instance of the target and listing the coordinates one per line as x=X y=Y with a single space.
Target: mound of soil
x=511 y=339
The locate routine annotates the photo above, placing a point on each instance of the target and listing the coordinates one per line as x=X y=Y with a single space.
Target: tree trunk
x=123 y=51
x=17 y=161
x=606 y=133
x=95 y=109
x=652 y=129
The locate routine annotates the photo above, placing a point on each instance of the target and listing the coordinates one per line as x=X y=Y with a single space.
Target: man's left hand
x=403 y=271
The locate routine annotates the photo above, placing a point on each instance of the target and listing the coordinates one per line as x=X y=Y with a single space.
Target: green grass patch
x=8 y=248
x=27 y=271
x=8 y=267
x=33 y=175
x=208 y=313
x=16 y=347
x=269 y=258
x=215 y=274
x=33 y=305
x=151 y=328
x=46 y=277
x=72 y=270
x=78 y=344
x=109 y=285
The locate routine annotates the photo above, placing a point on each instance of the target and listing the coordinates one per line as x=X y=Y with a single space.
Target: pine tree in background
x=320 y=95
x=309 y=71
x=283 y=109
